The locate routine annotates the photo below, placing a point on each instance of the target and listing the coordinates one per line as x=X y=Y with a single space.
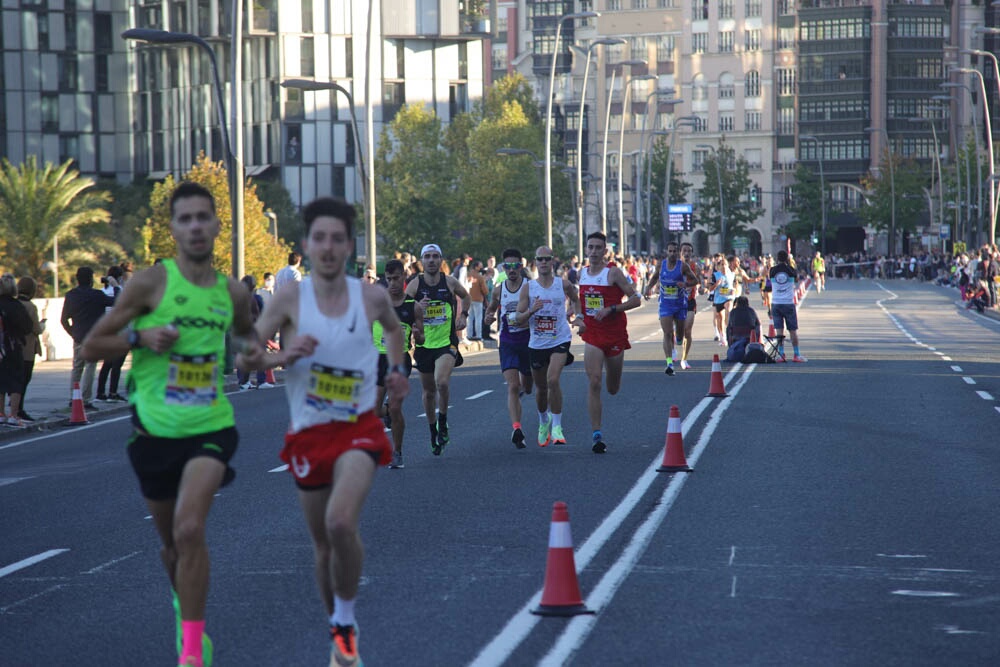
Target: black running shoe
x=25 y=416
x=442 y=438
x=669 y=369
x=599 y=447
x=517 y=437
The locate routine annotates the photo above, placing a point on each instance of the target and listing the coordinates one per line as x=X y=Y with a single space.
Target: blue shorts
x=675 y=308
x=784 y=316
x=515 y=355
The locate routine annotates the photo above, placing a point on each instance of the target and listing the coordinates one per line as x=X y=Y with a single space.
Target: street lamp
x=647 y=205
x=994 y=193
x=979 y=148
x=687 y=121
x=234 y=160
x=822 y=183
x=270 y=215
x=607 y=124
x=548 y=118
x=722 y=201
x=608 y=41
x=989 y=144
x=892 y=191
x=936 y=163
x=621 y=145
x=368 y=180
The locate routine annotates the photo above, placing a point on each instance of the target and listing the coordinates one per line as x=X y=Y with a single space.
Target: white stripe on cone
x=674 y=425
x=559 y=535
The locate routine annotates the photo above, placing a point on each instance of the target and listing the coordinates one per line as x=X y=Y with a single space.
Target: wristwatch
x=134 y=341
x=398 y=368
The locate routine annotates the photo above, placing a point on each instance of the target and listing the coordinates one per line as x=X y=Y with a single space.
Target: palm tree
x=39 y=205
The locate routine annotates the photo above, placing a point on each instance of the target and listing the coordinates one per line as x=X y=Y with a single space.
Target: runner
x=515 y=363
x=783 y=310
x=687 y=252
x=605 y=332
x=175 y=315
x=674 y=280
x=765 y=284
x=439 y=354
x=335 y=440
x=819 y=272
x=543 y=307
x=722 y=288
x=411 y=317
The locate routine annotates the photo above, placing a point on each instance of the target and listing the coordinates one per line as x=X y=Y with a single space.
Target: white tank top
x=549 y=327
x=337 y=383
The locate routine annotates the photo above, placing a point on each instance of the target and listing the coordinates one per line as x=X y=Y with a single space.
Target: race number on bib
x=670 y=292
x=545 y=326
x=593 y=303
x=192 y=380
x=435 y=314
x=334 y=391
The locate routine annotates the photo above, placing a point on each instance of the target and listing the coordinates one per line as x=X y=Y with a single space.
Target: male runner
x=543 y=307
x=335 y=440
x=687 y=253
x=411 y=318
x=514 y=361
x=176 y=314
x=438 y=355
x=783 y=310
x=676 y=277
x=605 y=333
x=819 y=272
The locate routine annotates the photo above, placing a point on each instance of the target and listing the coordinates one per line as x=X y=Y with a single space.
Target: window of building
x=639 y=49
x=726 y=41
x=502 y=20
x=699 y=42
x=101 y=80
x=699 y=89
x=349 y=57
x=666 y=4
x=339 y=185
x=463 y=60
x=786 y=38
x=393 y=99
x=103 y=33
x=751 y=40
x=751 y=84
x=67 y=67
x=50 y=112
x=786 y=81
x=178 y=17
x=293 y=144
x=69 y=147
x=640 y=4
x=500 y=57
x=294 y=107
x=700 y=123
x=699 y=10
x=786 y=7
x=664 y=48
x=349 y=148
x=307 y=57
x=458 y=99
x=786 y=121
x=753 y=158
x=753 y=8
x=751 y=120
x=42 y=23
x=726 y=9
x=727 y=86
x=698 y=159
x=726 y=123
x=614 y=5
x=307 y=15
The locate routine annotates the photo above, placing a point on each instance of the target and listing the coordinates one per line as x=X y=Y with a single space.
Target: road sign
x=945 y=232
x=679 y=217
x=741 y=243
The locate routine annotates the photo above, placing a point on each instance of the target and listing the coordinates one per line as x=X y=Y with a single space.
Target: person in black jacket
x=742 y=321
x=16 y=325
x=83 y=306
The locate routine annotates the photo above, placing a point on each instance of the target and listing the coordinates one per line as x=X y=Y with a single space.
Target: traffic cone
x=561 y=595
x=673 y=450
x=716 y=388
x=753 y=337
x=770 y=330
x=269 y=375
x=77 y=416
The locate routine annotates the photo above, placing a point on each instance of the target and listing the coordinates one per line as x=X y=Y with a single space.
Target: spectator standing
x=291 y=273
x=111 y=367
x=478 y=292
x=266 y=291
x=989 y=269
x=256 y=306
x=26 y=288
x=82 y=307
x=16 y=327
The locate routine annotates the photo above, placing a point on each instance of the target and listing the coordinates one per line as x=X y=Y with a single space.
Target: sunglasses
x=511 y=265
x=543 y=259
x=432 y=256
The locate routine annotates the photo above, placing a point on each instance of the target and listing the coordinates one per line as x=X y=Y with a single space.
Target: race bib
x=724 y=291
x=593 y=303
x=435 y=314
x=192 y=380
x=670 y=292
x=545 y=326
x=334 y=391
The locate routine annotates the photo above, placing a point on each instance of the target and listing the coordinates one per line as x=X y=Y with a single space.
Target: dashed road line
x=479 y=395
x=957 y=369
x=985 y=395
x=968 y=380
x=31 y=560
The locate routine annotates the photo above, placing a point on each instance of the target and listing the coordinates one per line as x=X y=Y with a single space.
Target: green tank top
x=407 y=318
x=439 y=317
x=179 y=393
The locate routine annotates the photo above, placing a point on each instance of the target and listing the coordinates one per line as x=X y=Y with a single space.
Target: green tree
x=41 y=204
x=261 y=252
x=657 y=167
x=910 y=181
x=129 y=210
x=735 y=174
x=807 y=199
x=274 y=197
x=413 y=188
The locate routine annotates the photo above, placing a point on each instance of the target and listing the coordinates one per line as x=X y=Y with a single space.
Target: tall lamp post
x=722 y=201
x=936 y=164
x=548 y=118
x=604 y=153
x=994 y=193
x=234 y=162
x=608 y=41
x=672 y=101
x=308 y=84
x=621 y=145
x=270 y=215
x=687 y=121
x=822 y=184
x=979 y=165
x=892 y=191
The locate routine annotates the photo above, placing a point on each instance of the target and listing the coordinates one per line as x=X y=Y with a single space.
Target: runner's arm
x=459 y=291
x=107 y=339
x=491 y=310
x=633 y=300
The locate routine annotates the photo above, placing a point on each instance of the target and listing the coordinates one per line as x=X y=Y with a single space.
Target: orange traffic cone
x=561 y=595
x=770 y=330
x=753 y=337
x=673 y=451
x=716 y=388
x=77 y=416
x=269 y=375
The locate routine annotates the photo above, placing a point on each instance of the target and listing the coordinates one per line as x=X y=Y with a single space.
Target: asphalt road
x=841 y=512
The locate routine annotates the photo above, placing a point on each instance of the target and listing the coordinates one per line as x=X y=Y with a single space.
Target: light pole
x=936 y=163
x=270 y=215
x=604 y=153
x=234 y=163
x=647 y=203
x=647 y=166
x=979 y=148
x=621 y=145
x=608 y=41
x=822 y=184
x=994 y=193
x=682 y=121
x=892 y=191
x=621 y=195
x=722 y=201
x=548 y=118
x=366 y=184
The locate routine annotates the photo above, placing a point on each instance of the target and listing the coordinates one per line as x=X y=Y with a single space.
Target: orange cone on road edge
x=673 y=451
x=561 y=594
x=269 y=375
x=77 y=416
x=753 y=337
x=716 y=388
x=770 y=330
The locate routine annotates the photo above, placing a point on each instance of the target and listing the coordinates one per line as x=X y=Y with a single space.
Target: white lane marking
x=28 y=562
x=945 y=357
x=901 y=555
x=955 y=630
x=940 y=354
x=114 y=561
x=932 y=349
x=732 y=590
x=479 y=395
x=4 y=481
x=985 y=395
x=424 y=414
x=969 y=380
x=997 y=409
x=580 y=627
x=926 y=594
x=279 y=468
x=523 y=621
x=957 y=369
x=732 y=555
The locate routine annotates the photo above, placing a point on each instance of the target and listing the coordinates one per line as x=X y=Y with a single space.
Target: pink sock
x=193 y=630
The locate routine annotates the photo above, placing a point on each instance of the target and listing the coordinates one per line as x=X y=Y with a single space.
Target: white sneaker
x=685 y=365
x=265 y=385
x=245 y=387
